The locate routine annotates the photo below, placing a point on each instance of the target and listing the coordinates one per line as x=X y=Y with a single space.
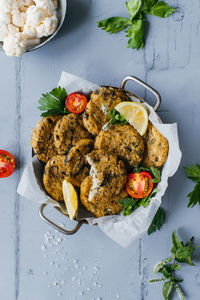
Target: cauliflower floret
x=24 y=4
x=46 y=5
x=8 y=5
x=3 y=31
x=14 y=44
x=29 y=32
x=19 y=19
x=35 y=16
x=5 y=18
x=48 y=26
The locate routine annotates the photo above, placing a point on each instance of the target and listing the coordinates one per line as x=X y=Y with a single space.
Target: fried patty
x=68 y=131
x=124 y=141
x=42 y=140
x=95 y=116
x=101 y=191
x=54 y=174
x=109 y=206
x=77 y=166
x=156 y=148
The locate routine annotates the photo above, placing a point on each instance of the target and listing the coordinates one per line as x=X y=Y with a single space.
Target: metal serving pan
x=81 y=221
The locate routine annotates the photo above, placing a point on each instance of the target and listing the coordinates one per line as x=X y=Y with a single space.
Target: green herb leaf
x=176 y=267
x=176 y=242
x=53 y=103
x=180 y=293
x=139 y=169
x=147 y=4
x=133 y=7
x=194 y=196
x=136 y=34
x=167 y=288
x=156 y=173
x=128 y=205
x=161 y=9
x=166 y=271
x=156 y=280
x=193 y=172
x=176 y=280
x=113 y=24
x=184 y=253
x=116 y=118
x=59 y=93
x=158 y=221
x=145 y=201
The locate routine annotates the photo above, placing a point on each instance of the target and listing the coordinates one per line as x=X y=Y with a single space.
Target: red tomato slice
x=76 y=103
x=7 y=163
x=139 y=185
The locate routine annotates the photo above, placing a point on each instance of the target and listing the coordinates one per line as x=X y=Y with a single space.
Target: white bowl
x=61 y=13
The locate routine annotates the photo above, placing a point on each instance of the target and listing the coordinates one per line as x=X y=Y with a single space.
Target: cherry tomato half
x=139 y=185
x=76 y=103
x=7 y=163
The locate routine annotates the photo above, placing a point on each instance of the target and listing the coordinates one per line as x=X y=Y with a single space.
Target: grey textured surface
x=36 y=268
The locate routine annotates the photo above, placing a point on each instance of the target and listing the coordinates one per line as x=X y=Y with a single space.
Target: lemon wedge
x=70 y=198
x=135 y=114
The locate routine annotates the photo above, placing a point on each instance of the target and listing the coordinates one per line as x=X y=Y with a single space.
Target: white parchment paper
x=122 y=229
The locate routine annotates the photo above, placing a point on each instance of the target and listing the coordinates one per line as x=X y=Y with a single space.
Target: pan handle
x=54 y=225
x=146 y=86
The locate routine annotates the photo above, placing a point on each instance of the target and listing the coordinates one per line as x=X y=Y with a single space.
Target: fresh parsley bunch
x=180 y=253
x=138 y=9
x=193 y=173
x=53 y=103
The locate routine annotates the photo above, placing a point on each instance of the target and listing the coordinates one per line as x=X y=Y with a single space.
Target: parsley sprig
x=53 y=103
x=193 y=173
x=158 y=221
x=138 y=9
x=116 y=118
x=131 y=204
x=180 y=253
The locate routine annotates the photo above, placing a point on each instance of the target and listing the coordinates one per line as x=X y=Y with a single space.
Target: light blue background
x=170 y=62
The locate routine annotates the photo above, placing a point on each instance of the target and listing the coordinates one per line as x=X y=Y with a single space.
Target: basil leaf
x=161 y=9
x=133 y=7
x=136 y=34
x=147 y=4
x=113 y=24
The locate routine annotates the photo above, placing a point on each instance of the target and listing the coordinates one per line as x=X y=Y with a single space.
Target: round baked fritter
x=68 y=131
x=95 y=116
x=54 y=174
x=124 y=141
x=100 y=208
x=42 y=140
x=107 y=181
x=77 y=166
x=156 y=148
